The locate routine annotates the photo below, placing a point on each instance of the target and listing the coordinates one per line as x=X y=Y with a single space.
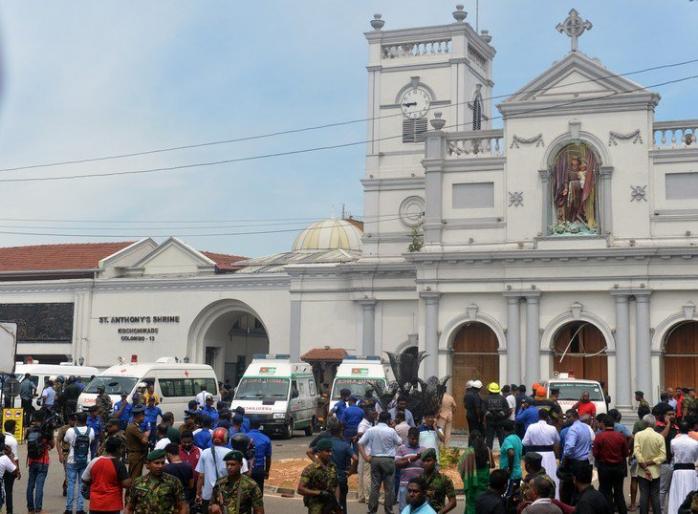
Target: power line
x=143 y=236
x=320 y=126
x=319 y=148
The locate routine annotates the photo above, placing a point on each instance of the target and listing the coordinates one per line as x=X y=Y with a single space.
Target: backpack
x=35 y=444
x=81 y=447
x=497 y=407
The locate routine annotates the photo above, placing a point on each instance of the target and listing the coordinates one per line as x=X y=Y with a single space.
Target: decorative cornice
x=613 y=137
x=393 y=184
x=516 y=141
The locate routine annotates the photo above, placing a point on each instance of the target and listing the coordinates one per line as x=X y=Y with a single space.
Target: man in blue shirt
x=575 y=453
x=528 y=413
x=202 y=436
x=150 y=422
x=402 y=406
x=339 y=407
x=262 y=455
x=210 y=410
x=122 y=410
x=94 y=421
x=246 y=425
x=350 y=418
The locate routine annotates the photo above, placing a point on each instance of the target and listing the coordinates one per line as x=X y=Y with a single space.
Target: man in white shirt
x=163 y=440
x=10 y=476
x=201 y=397
x=544 y=439
x=364 y=469
x=211 y=467
x=78 y=458
x=511 y=401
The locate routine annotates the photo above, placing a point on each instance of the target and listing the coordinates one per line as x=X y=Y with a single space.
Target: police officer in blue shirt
x=246 y=425
x=350 y=418
x=210 y=410
x=95 y=423
x=262 y=449
x=150 y=422
x=339 y=407
x=122 y=410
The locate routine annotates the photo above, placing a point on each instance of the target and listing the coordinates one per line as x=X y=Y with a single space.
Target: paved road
x=54 y=502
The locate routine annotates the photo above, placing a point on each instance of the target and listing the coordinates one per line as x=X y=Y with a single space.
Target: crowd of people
x=216 y=461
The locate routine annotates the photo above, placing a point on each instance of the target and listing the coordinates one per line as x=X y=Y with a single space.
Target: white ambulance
x=571 y=390
x=357 y=373
x=280 y=394
x=176 y=383
x=40 y=374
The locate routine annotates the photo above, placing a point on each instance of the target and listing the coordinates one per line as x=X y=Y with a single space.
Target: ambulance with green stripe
x=281 y=394
x=357 y=373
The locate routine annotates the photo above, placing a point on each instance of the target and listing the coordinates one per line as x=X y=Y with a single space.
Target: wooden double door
x=580 y=349
x=681 y=356
x=475 y=357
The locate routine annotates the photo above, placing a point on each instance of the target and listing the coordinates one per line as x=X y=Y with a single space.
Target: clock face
x=415 y=103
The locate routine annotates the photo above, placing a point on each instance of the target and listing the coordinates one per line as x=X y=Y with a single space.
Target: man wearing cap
x=156 y=492
x=122 y=410
x=262 y=455
x=150 y=419
x=543 y=438
x=136 y=443
x=496 y=412
x=210 y=410
x=318 y=483
x=103 y=403
x=473 y=406
x=211 y=467
x=114 y=431
x=440 y=490
x=94 y=421
x=528 y=413
x=236 y=493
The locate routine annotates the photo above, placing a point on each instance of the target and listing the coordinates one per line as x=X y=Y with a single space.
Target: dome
x=330 y=234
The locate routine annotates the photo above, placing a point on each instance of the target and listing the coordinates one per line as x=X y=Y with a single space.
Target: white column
x=532 y=338
x=431 y=335
x=295 y=331
x=368 y=333
x=513 y=340
x=433 y=187
x=622 y=398
x=643 y=345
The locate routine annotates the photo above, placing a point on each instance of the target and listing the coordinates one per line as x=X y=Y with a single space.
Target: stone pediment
x=577 y=84
x=173 y=257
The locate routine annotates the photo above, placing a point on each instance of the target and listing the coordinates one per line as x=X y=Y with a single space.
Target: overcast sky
x=84 y=79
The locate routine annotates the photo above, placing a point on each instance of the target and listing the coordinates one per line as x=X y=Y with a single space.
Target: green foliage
x=417 y=237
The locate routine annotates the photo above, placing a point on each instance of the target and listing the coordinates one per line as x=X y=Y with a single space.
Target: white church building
x=563 y=241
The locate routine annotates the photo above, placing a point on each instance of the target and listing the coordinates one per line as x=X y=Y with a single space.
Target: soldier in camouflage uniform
x=440 y=491
x=236 y=493
x=103 y=403
x=114 y=431
x=533 y=462
x=318 y=484
x=156 y=492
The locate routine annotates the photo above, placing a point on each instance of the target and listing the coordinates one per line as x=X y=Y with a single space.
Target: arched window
x=575 y=176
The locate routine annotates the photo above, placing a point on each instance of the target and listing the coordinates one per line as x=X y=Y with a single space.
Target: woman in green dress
x=474 y=468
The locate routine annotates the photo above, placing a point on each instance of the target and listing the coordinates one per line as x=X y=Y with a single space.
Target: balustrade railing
x=668 y=135
x=473 y=144
x=417 y=49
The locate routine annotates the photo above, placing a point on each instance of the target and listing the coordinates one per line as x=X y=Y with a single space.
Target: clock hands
x=410 y=104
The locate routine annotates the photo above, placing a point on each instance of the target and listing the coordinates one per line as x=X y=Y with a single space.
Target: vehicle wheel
x=309 y=429
x=289 y=430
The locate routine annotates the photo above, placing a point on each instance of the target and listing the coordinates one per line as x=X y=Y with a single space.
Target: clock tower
x=412 y=75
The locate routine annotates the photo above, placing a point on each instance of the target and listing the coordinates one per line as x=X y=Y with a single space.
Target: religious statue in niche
x=574 y=176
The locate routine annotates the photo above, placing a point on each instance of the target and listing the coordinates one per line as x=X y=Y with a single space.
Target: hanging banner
x=8 y=347
x=15 y=414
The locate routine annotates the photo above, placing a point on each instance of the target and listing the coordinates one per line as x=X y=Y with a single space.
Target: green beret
x=155 y=455
x=429 y=453
x=324 y=444
x=233 y=455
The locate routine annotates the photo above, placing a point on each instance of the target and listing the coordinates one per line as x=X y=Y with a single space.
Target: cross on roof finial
x=574 y=26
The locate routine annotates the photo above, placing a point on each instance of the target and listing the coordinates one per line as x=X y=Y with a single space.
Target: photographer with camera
x=39 y=438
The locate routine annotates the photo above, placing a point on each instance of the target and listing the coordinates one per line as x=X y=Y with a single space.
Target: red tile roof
x=324 y=354
x=57 y=257
x=224 y=262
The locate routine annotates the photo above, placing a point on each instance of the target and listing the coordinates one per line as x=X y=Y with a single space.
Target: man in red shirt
x=585 y=406
x=188 y=452
x=107 y=477
x=610 y=451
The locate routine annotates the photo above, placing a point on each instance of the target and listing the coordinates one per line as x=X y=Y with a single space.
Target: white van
x=278 y=393
x=42 y=373
x=357 y=373
x=175 y=383
x=571 y=390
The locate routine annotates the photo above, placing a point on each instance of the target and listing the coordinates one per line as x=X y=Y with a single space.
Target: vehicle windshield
x=357 y=386
x=257 y=388
x=112 y=385
x=574 y=390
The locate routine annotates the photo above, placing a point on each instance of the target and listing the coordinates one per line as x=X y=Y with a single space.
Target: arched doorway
x=475 y=357
x=579 y=348
x=226 y=335
x=680 y=352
